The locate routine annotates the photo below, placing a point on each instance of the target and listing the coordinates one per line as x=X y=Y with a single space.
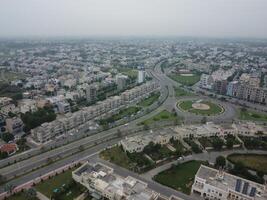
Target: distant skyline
x=139 y=18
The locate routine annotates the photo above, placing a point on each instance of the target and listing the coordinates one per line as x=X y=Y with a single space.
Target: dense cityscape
x=131 y=100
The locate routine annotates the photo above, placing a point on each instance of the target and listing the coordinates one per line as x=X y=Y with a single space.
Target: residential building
x=141 y=76
x=121 y=81
x=63 y=107
x=91 y=93
x=101 y=181
x=14 y=125
x=213 y=184
x=206 y=81
x=10 y=148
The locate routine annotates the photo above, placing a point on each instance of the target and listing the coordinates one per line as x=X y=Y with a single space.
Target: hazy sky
x=212 y=18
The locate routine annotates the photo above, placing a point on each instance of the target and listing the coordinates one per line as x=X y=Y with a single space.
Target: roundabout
x=200 y=107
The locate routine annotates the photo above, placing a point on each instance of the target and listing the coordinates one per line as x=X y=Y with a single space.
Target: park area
x=179 y=177
x=149 y=100
x=245 y=114
x=161 y=117
x=200 y=107
x=185 y=80
x=256 y=162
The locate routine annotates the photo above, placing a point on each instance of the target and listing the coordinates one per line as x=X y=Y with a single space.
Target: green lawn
x=213 y=110
x=150 y=100
x=185 y=80
x=205 y=142
x=251 y=115
x=20 y=196
x=181 y=92
x=255 y=162
x=162 y=116
x=117 y=156
x=60 y=181
x=180 y=177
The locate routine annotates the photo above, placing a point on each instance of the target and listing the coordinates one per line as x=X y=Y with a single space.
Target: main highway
x=24 y=170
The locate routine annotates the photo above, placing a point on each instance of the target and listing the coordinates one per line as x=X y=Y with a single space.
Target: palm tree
x=9 y=188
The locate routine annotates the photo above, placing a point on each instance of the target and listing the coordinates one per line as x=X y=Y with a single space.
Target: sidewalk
x=41 y=196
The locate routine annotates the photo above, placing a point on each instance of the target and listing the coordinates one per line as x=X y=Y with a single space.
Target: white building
x=141 y=76
x=215 y=184
x=206 y=81
x=101 y=181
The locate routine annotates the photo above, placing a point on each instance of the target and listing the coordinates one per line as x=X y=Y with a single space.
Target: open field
x=251 y=115
x=179 y=177
x=61 y=182
x=255 y=162
x=185 y=80
x=150 y=100
x=117 y=156
x=213 y=108
x=162 y=116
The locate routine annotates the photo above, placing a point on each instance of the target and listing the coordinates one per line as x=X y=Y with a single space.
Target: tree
x=146 y=127
x=230 y=143
x=2 y=179
x=220 y=162
x=217 y=143
x=31 y=193
x=204 y=120
x=7 y=137
x=9 y=188
x=119 y=133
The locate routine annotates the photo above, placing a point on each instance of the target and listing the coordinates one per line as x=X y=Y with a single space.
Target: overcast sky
x=209 y=18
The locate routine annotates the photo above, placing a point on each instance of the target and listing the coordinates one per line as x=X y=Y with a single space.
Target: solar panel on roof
x=238 y=185
x=245 y=188
x=252 y=192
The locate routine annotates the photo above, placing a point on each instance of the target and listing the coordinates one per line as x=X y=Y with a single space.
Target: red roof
x=9 y=148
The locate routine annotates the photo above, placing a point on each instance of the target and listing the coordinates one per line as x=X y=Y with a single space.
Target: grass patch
x=244 y=114
x=213 y=108
x=133 y=161
x=185 y=80
x=180 y=177
x=255 y=162
x=117 y=156
x=179 y=92
x=162 y=116
x=205 y=142
x=150 y=100
x=61 y=182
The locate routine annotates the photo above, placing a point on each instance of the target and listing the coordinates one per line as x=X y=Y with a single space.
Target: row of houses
x=139 y=142
x=47 y=131
x=102 y=182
